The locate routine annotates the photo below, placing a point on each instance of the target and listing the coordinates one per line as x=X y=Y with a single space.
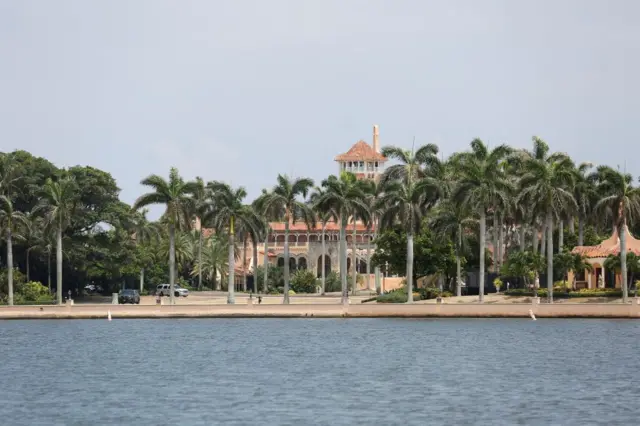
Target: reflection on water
x=318 y=371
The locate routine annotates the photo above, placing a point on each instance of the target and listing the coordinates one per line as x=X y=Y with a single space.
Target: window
x=361 y=165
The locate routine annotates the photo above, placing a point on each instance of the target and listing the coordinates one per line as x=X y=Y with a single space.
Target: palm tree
x=620 y=200
x=213 y=261
x=10 y=222
x=144 y=232
x=342 y=197
x=452 y=220
x=57 y=203
x=408 y=189
x=547 y=183
x=201 y=204
x=174 y=194
x=324 y=217
x=584 y=192
x=266 y=215
x=31 y=237
x=482 y=184
x=285 y=196
x=230 y=211
x=405 y=203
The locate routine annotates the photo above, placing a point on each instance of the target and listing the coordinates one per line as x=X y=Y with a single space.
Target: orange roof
x=361 y=151
x=609 y=246
x=301 y=226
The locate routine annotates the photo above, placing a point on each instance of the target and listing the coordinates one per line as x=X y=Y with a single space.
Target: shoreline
x=494 y=310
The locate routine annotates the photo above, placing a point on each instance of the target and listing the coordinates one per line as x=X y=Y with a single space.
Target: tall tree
x=10 y=222
x=584 y=192
x=229 y=212
x=405 y=202
x=144 y=232
x=288 y=195
x=201 y=204
x=213 y=262
x=324 y=216
x=620 y=201
x=482 y=182
x=454 y=221
x=175 y=195
x=547 y=183
x=57 y=205
x=342 y=197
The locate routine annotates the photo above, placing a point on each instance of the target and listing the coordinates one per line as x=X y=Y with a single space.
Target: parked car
x=165 y=290
x=129 y=296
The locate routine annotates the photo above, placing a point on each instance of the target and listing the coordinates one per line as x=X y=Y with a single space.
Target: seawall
x=494 y=310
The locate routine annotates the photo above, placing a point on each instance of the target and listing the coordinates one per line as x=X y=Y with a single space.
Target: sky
x=242 y=90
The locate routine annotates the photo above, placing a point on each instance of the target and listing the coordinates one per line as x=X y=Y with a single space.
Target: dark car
x=129 y=296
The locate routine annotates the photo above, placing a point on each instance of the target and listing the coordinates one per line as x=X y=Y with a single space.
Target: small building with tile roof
x=596 y=256
x=362 y=159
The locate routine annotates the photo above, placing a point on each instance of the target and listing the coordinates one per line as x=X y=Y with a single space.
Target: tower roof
x=361 y=151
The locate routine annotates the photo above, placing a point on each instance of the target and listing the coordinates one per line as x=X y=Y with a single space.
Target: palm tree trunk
x=324 y=251
x=265 y=284
x=572 y=226
x=458 y=266
x=9 y=265
x=141 y=280
x=534 y=230
x=255 y=265
x=501 y=244
x=543 y=240
x=172 y=263
x=410 y=267
x=496 y=252
x=343 y=262
x=560 y=235
x=28 y=269
x=354 y=272
x=49 y=269
x=368 y=262
x=59 y=263
x=285 y=300
x=580 y=231
x=550 y=255
x=244 y=263
x=231 y=298
x=215 y=283
x=483 y=232
x=199 y=256
x=623 y=262
x=523 y=233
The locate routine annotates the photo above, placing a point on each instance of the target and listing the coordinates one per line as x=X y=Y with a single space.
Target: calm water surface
x=319 y=371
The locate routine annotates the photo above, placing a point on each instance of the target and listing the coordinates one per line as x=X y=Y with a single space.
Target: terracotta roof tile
x=610 y=246
x=361 y=151
x=301 y=226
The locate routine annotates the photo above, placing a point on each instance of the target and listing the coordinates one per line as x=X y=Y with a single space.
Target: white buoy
x=109 y=315
x=533 y=317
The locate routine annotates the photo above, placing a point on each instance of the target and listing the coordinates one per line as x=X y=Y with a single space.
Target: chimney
x=376 y=142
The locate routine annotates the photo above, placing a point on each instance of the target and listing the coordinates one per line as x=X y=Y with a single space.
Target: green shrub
x=396 y=296
x=427 y=293
x=304 y=281
x=333 y=284
x=34 y=291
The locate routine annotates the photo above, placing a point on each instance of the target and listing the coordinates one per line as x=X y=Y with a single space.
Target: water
x=319 y=371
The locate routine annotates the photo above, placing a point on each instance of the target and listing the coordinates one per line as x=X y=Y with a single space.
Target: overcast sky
x=242 y=90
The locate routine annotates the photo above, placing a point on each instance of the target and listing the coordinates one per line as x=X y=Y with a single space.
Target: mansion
x=305 y=245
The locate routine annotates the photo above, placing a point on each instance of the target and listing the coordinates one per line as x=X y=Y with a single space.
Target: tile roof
x=361 y=151
x=609 y=246
x=302 y=227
